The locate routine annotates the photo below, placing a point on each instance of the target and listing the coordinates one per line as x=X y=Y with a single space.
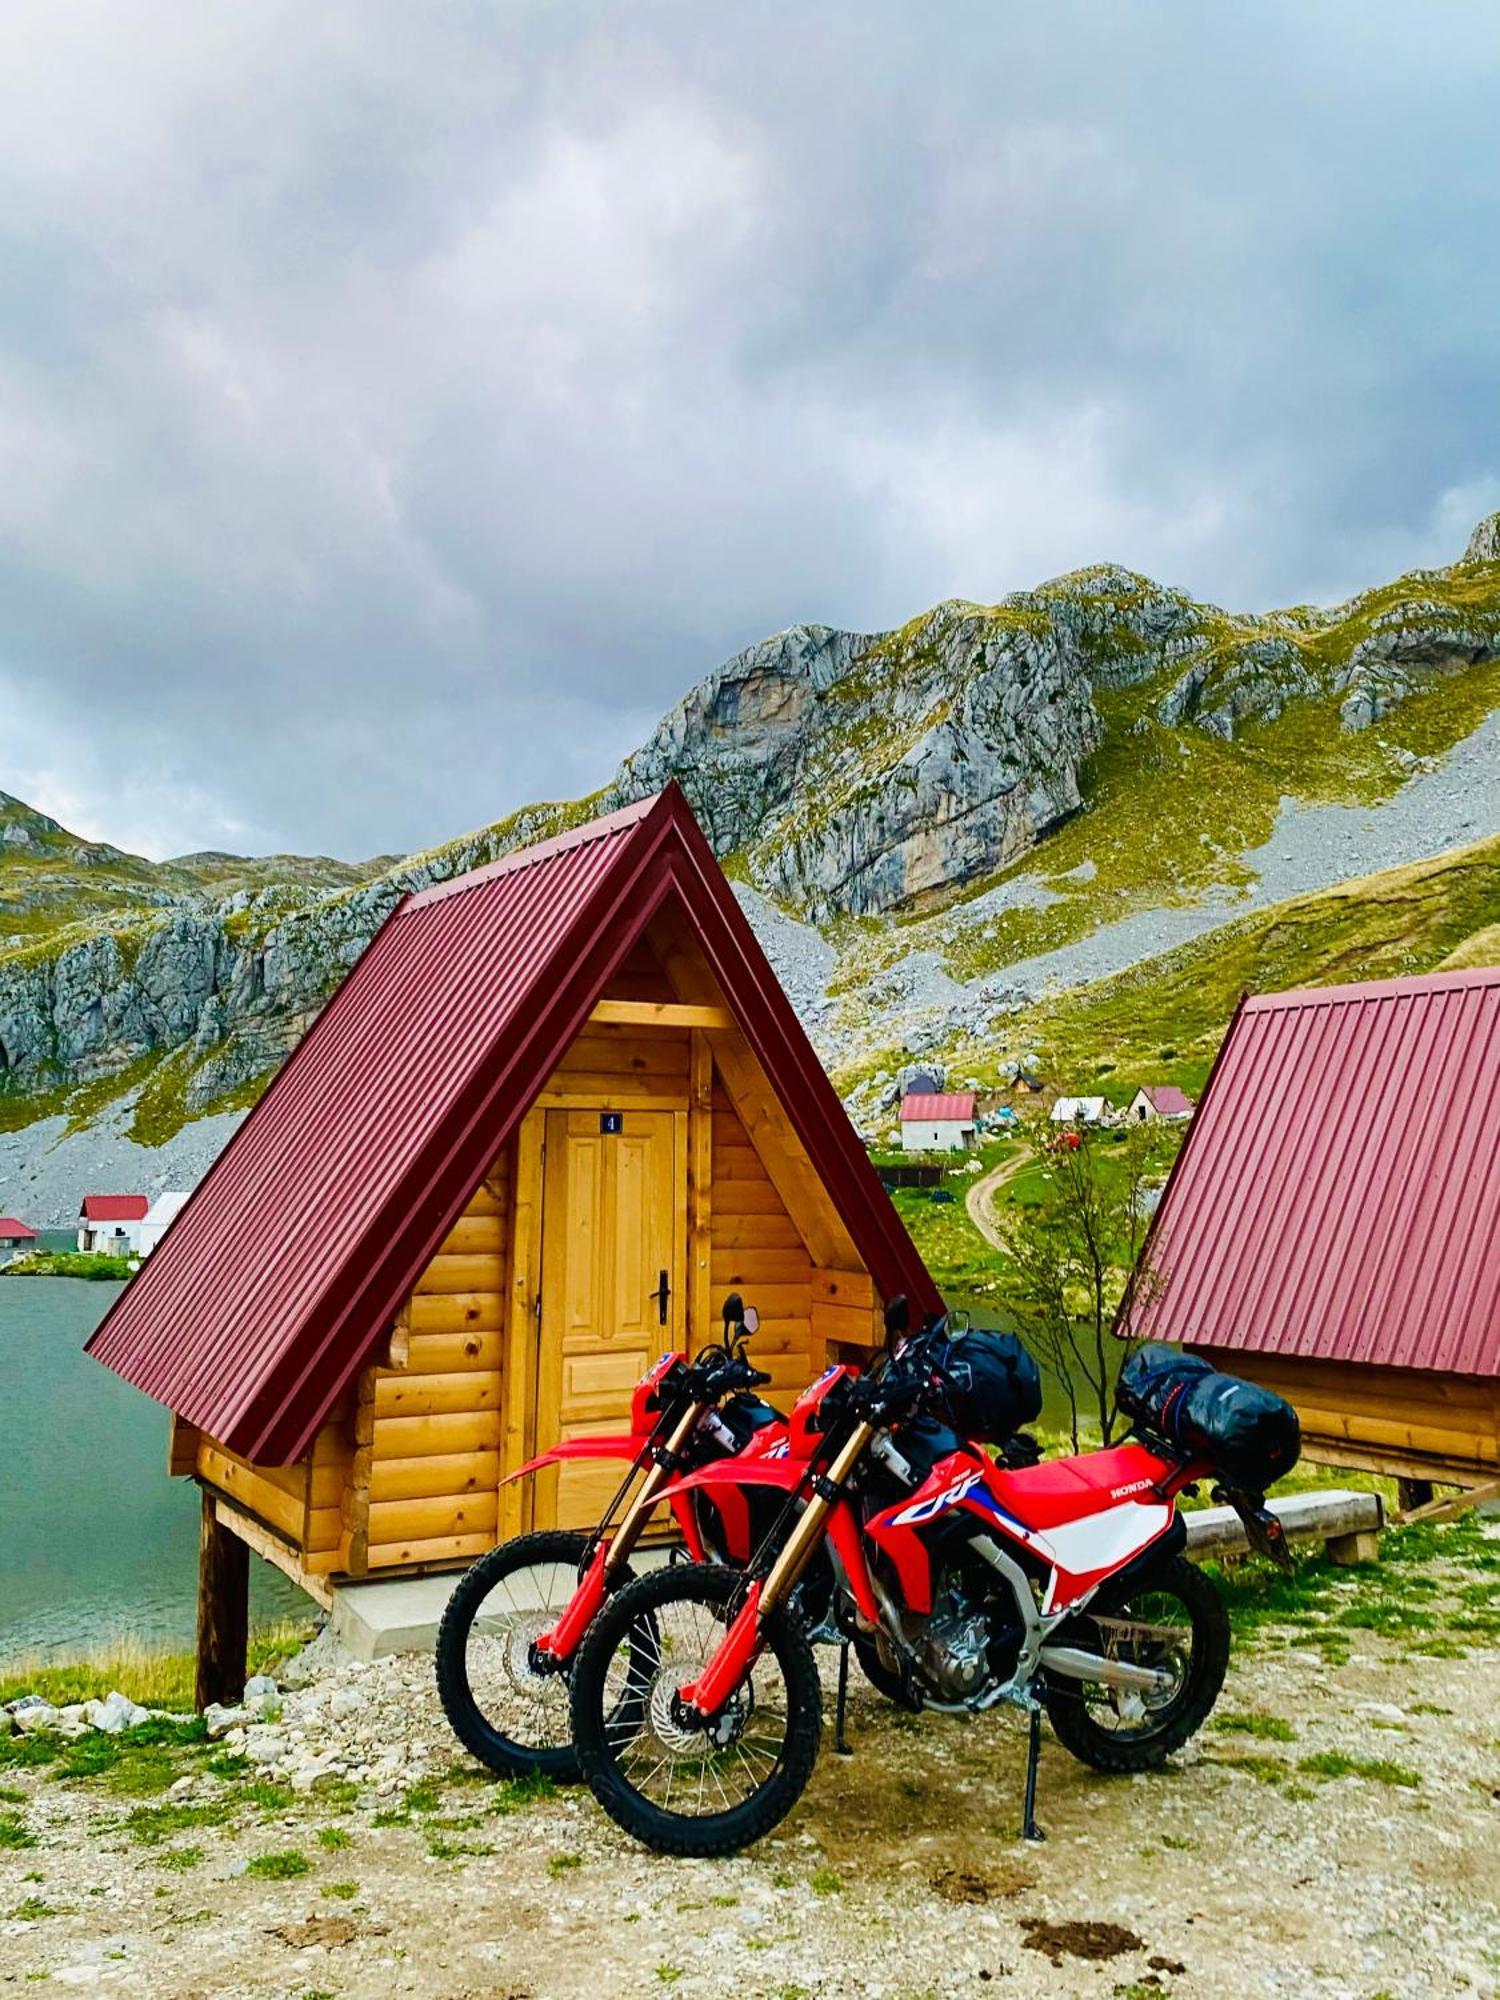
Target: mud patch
x=1078 y=1940
x=970 y=1885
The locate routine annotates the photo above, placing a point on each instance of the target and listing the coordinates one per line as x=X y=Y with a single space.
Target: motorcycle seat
x=1069 y=1489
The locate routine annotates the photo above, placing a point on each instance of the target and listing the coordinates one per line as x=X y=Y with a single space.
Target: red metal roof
x=1167 y=1101
x=942 y=1108
x=379 y=1126
x=1339 y=1191
x=114 y=1207
x=9 y=1226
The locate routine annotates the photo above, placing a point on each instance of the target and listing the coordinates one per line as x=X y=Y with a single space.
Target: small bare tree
x=1073 y=1253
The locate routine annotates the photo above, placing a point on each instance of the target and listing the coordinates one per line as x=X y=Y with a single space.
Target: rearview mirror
x=750 y=1319
x=734 y=1309
x=897 y=1314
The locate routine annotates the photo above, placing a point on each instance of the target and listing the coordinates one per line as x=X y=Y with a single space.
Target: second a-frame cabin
x=557 y=1110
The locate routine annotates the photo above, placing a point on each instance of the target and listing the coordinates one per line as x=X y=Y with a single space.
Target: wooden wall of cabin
x=1402 y=1422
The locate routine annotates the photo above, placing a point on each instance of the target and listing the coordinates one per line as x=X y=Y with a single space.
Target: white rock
x=117 y=1711
x=1381 y=1711
x=260 y=1684
x=219 y=1720
x=345 y=1701
x=33 y=1714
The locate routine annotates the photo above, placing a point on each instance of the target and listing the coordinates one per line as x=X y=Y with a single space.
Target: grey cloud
x=399 y=407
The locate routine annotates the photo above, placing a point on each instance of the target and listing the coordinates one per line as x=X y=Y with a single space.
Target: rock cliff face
x=841 y=774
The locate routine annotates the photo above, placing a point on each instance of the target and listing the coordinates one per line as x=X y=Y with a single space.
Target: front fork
x=741 y=1644
x=610 y=1556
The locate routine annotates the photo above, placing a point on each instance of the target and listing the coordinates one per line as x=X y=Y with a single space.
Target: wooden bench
x=1349 y=1523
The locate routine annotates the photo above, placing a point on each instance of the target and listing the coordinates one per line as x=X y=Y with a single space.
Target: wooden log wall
x=426 y=1431
x=1405 y=1422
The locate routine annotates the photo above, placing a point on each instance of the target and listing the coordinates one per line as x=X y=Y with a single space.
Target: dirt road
x=980 y=1199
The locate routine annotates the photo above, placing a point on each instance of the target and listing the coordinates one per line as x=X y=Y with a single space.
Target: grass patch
x=1266 y=1770
x=149 y=1826
x=563 y=1864
x=180 y=1859
x=520 y=1794
x=155 y=1677
x=264 y=1795
x=824 y=1882
x=1378 y=1770
x=1268 y=1728
x=13 y=1831
x=333 y=1838
x=285 y=1865
x=340 y=1892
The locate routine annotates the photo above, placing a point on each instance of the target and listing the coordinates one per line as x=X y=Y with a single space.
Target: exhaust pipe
x=1076 y=1665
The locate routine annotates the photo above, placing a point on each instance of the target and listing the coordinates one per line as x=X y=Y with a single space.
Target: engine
x=969 y=1641
x=953 y=1643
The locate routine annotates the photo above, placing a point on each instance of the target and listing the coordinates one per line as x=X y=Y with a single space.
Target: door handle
x=662 y=1294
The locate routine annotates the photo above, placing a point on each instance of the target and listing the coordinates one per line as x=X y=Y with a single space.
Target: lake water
x=95 y=1539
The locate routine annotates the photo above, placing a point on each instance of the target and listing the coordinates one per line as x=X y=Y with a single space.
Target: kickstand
x=1029 y=1828
x=840 y=1741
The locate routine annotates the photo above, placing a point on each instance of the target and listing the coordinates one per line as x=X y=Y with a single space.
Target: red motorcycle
x=508 y=1637
x=696 y=1700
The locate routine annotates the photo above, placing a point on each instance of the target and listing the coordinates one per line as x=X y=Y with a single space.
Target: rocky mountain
x=911 y=816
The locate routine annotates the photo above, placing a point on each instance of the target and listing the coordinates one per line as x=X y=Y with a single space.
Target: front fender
x=617 y=1446
x=787 y=1473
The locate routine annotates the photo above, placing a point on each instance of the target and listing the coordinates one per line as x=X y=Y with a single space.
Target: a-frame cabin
x=557 y=1110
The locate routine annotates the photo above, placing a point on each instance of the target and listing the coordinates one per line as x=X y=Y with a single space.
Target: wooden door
x=614 y=1207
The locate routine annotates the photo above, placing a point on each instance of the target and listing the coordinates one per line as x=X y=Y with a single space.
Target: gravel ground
x=45 y=1170
x=403 y=1870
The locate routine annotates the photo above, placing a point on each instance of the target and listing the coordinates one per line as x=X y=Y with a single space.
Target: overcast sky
x=401 y=406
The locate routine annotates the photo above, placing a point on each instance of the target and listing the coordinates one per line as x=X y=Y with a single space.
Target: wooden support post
x=223 y=1610
x=1363 y=1547
x=1412 y=1494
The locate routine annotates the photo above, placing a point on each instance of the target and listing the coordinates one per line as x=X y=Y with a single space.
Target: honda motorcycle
x=696 y=1700
x=507 y=1640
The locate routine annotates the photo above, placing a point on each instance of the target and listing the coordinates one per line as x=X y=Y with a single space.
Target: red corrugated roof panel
x=925 y=1109
x=114 y=1207
x=326 y=1206
x=1339 y=1192
x=1167 y=1101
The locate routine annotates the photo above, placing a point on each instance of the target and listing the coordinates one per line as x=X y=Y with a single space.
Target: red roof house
x=1332 y=1225
x=1158 y=1101
x=105 y=1222
x=114 y=1207
x=937 y=1121
x=558 y=1108
x=14 y=1235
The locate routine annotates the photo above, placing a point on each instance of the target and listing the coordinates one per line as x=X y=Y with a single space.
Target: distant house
x=1155 y=1102
x=15 y=1235
x=1080 y=1111
x=937 y=1124
x=921 y=1083
x=106 y=1223
x=1018 y=1076
x=158 y=1219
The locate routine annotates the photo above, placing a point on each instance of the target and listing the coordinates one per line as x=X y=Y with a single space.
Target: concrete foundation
x=401 y=1614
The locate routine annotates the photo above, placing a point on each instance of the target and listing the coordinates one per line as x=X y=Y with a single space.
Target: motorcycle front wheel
x=678 y=1788
x=1172 y=1619
x=504 y=1711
